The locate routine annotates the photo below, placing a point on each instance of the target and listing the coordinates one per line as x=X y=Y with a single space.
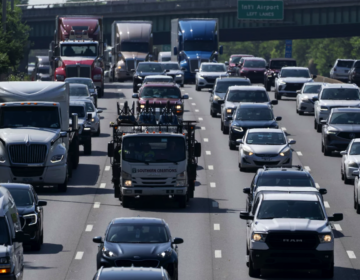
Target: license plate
x=266 y=159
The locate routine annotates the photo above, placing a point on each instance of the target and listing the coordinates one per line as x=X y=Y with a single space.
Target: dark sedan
x=30 y=212
x=145 y=69
x=138 y=242
x=339 y=129
x=131 y=273
x=250 y=115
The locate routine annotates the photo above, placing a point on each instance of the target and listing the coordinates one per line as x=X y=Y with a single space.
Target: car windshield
x=4 y=232
x=223 y=87
x=79 y=50
x=86 y=82
x=170 y=66
x=235 y=59
x=254 y=114
x=149 y=67
x=344 y=63
x=136 y=233
x=166 y=58
x=312 y=89
x=153 y=149
x=295 y=73
x=22 y=197
x=290 y=209
x=159 y=80
x=248 y=96
x=135 y=47
x=89 y=107
x=284 y=180
x=355 y=148
x=265 y=138
x=254 y=63
x=79 y=110
x=213 y=68
x=29 y=116
x=79 y=91
x=340 y=94
x=203 y=45
x=357 y=65
x=345 y=118
x=278 y=64
x=160 y=92
x=43 y=70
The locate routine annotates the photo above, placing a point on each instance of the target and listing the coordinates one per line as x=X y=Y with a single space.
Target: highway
x=214 y=236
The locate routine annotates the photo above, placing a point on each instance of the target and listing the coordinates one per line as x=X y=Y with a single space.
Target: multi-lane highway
x=214 y=236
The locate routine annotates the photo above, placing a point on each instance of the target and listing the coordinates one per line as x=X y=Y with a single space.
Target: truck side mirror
x=197 y=150
x=221 y=50
x=74 y=119
x=110 y=149
x=274 y=102
x=42 y=203
x=246 y=190
x=278 y=119
x=97 y=239
x=336 y=217
x=314 y=76
x=323 y=191
x=175 y=51
x=245 y=216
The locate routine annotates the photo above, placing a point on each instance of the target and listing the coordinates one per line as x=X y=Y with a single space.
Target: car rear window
x=344 y=63
x=285 y=180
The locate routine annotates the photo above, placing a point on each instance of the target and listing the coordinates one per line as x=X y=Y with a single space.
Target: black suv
x=287 y=176
x=146 y=69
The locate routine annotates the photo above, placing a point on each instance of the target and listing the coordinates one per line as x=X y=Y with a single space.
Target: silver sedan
x=263 y=146
x=350 y=161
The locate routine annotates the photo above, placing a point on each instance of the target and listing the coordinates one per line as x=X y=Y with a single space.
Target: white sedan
x=350 y=161
x=304 y=102
x=94 y=122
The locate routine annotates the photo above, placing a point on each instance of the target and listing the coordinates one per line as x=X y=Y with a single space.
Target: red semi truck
x=77 y=49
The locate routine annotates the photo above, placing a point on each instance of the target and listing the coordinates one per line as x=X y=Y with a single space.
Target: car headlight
x=216 y=97
x=108 y=253
x=325 y=238
x=324 y=108
x=57 y=158
x=285 y=152
x=247 y=152
x=282 y=83
x=181 y=179
x=331 y=132
x=353 y=164
x=178 y=76
x=60 y=77
x=228 y=111
x=30 y=219
x=237 y=128
x=259 y=237
x=142 y=106
x=178 y=107
x=166 y=253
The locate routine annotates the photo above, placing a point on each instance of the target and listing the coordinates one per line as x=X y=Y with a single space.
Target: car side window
x=252 y=184
x=255 y=205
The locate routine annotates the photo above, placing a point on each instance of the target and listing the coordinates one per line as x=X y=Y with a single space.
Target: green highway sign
x=260 y=9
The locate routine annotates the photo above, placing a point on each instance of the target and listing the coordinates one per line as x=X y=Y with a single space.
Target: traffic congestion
x=176 y=165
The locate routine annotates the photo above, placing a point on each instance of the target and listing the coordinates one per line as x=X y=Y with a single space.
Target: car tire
x=342 y=175
x=268 y=86
x=225 y=129
x=214 y=115
x=191 y=189
x=221 y=125
x=347 y=181
x=232 y=147
x=98 y=132
x=63 y=187
x=117 y=192
x=126 y=201
x=318 y=127
x=328 y=152
x=301 y=113
x=315 y=124
x=328 y=273
x=197 y=88
x=87 y=148
x=242 y=169
x=357 y=205
x=182 y=85
x=252 y=271
x=75 y=153
x=182 y=200
x=135 y=88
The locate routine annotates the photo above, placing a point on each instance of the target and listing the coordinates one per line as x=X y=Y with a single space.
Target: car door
x=346 y=156
x=39 y=210
x=249 y=223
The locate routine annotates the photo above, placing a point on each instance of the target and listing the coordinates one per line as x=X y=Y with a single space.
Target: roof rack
x=298 y=167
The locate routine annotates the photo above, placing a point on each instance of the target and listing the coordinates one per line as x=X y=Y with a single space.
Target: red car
x=158 y=94
x=234 y=61
x=274 y=67
x=253 y=68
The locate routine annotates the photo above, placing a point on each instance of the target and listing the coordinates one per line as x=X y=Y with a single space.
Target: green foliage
x=19 y=77
x=13 y=42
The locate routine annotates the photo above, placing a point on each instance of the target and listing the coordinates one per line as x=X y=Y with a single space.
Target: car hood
x=254 y=124
x=197 y=54
x=266 y=149
x=175 y=72
x=141 y=250
x=28 y=135
x=291 y=225
x=133 y=55
x=24 y=210
x=212 y=74
x=355 y=158
x=157 y=101
x=229 y=104
x=144 y=74
x=85 y=60
x=296 y=80
x=344 y=127
x=340 y=103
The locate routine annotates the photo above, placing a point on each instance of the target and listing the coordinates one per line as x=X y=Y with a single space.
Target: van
x=164 y=56
x=11 y=238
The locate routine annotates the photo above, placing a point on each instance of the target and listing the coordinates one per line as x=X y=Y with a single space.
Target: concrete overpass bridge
x=302 y=18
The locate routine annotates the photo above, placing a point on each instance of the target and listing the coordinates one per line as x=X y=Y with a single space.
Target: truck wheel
x=232 y=147
x=117 y=191
x=225 y=129
x=75 y=153
x=319 y=128
x=100 y=92
x=268 y=86
x=182 y=199
x=197 y=88
x=98 y=132
x=87 y=148
x=63 y=187
x=252 y=271
x=347 y=181
x=135 y=89
x=126 y=201
x=191 y=190
x=328 y=273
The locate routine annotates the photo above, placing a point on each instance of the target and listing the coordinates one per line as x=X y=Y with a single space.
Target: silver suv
x=340 y=70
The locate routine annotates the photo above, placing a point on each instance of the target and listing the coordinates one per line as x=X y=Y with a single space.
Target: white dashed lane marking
x=337 y=227
x=107 y=168
x=211 y=167
x=213 y=185
x=299 y=153
x=102 y=185
x=283 y=128
x=216 y=226
x=317 y=185
x=89 y=228
x=200 y=119
x=206 y=140
x=215 y=204
x=193 y=104
x=208 y=153
x=79 y=255
x=96 y=204
x=307 y=168
x=327 y=205
x=190 y=97
x=203 y=128
x=218 y=254
x=196 y=110
x=351 y=254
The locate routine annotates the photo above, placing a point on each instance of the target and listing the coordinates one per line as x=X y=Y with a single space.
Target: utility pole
x=4 y=15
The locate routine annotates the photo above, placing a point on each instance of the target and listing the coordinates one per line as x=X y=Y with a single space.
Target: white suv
x=341 y=68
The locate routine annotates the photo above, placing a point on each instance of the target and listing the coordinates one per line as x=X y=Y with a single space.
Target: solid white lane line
x=326 y=204
x=79 y=255
x=197 y=110
x=351 y=254
x=102 y=185
x=107 y=168
x=216 y=226
x=213 y=185
x=317 y=185
x=337 y=227
x=208 y=153
x=203 y=128
x=190 y=97
x=307 y=168
x=299 y=153
x=193 y=104
x=183 y=90
x=96 y=204
x=211 y=167
x=200 y=119
x=89 y=228
x=206 y=140
x=283 y=128
x=218 y=254
x=215 y=204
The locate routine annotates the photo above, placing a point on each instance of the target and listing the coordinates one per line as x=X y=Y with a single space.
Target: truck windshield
x=149 y=67
x=247 y=96
x=160 y=92
x=22 y=197
x=79 y=50
x=77 y=110
x=29 y=116
x=170 y=66
x=153 y=149
x=290 y=209
x=340 y=94
x=4 y=232
x=203 y=45
x=278 y=64
x=135 y=47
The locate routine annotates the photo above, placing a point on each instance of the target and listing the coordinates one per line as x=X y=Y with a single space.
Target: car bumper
x=153 y=191
x=9 y=276
x=291 y=259
x=336 y=143
x=205 y=84
x=306 y=107
x=349 y=171
x=123 y=75
x=257 y=161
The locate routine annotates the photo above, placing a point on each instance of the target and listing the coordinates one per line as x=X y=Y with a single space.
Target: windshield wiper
x=166 y=160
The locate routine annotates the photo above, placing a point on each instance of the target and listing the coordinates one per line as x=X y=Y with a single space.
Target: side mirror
x=227 y=63
x=323 y=121
x=239 y=141
x=221 y=50
x=135 y=95
x=185 y=96
x=298 y=91
x=110 y=149
x=74 y=119
x=355 y=172
x=343 y=153
x=97 y=239
x=178 y=240
x=278 y=118
x=245 y=216
x=196 y=70
x=222 y=101
x=323 y=191
x=246 y=190
x=63 y=134
x=210 y=90
x=99 y=111
x=89 y=116
x=42 y=203
x=229 y=118
x=175 y=51
x=336 y=217
x=315 y=98
x=197 y=152
x=274 y=102
x=314 y=76
x=106 y=74
x=292 y=142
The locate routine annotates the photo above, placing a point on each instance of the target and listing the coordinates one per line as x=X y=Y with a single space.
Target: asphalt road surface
x=214 y=236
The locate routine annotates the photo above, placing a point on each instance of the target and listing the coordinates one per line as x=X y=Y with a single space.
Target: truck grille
x=27 y=171
x=292 y=240
x=210 y=79
x=293 y=86
x=78 y=71
x=349 y=135
x=194 y=64
x=21 y=153
x=130 y=64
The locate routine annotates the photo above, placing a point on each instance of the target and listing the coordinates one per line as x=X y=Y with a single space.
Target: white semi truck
x=37 y=145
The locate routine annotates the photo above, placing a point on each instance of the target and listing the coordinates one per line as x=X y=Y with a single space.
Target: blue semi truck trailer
x=194 y=40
